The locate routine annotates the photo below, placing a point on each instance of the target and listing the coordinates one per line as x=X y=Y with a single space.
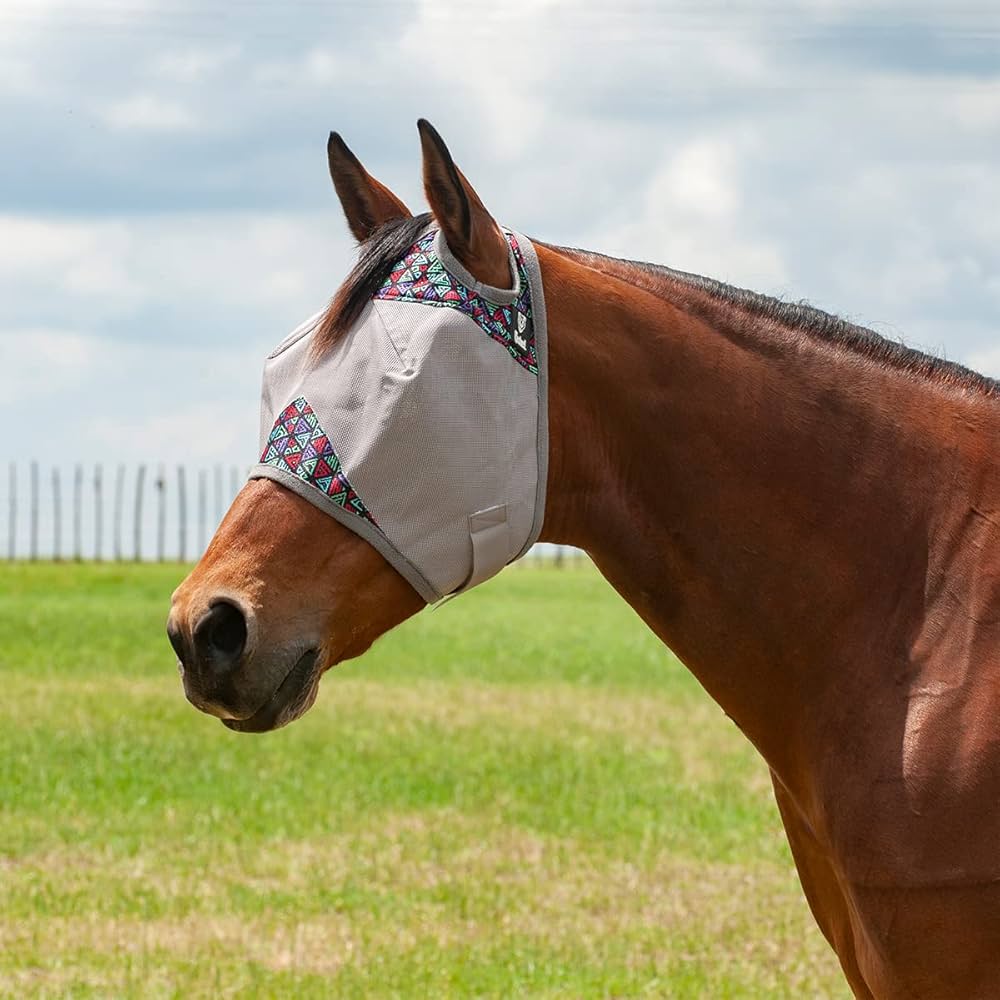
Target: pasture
x=519 y=794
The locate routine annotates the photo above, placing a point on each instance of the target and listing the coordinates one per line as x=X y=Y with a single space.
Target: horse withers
x=805 y=513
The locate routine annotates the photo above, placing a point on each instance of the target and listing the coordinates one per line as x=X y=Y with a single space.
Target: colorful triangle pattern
x=421 y=277
x=299 y=445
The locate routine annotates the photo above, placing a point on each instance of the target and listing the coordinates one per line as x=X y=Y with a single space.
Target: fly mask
x=424 y=428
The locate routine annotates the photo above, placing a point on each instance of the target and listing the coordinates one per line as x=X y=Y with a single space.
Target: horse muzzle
x=249 y=689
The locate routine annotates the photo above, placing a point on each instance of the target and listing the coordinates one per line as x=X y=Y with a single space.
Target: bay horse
x=805 y=513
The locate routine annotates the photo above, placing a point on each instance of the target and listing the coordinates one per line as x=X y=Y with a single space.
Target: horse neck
x=765 y=501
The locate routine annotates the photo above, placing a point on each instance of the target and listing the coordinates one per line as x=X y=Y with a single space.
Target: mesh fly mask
x=424 y=428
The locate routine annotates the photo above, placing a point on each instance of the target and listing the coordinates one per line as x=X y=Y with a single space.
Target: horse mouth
x=295 y=694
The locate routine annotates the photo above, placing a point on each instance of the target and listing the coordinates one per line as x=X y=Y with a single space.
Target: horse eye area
x=223 y=630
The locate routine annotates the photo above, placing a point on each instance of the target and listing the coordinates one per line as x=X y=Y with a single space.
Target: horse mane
x=376 y=258
x=798 y=317
x=390 y=242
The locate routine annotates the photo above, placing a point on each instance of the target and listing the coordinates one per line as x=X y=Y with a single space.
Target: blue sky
x=166 y=213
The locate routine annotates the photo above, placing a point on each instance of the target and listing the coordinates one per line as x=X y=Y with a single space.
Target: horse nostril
x=221 y=635
x=176 y=638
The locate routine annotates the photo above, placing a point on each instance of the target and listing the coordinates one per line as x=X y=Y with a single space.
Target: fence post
x=161 y=514
x=56 y=516
x=33 y=541
x=118 y=512
x=78 y=513
x=218 y=494
x=12 y=511
x=202 y=509
x=234 y=482
x=140 y=481
x=98 y=513
x=181 y=515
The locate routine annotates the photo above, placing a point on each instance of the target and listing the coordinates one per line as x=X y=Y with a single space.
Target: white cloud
x=200 y=432
x=986 y=361
x=86 y=264
x=699 y=180
x=18 y=77
x=977 y=105
x=194 y=65
x=149 y=112
x=315 y=67
x=24 y=22
x=39 y=361
x=32 y=244
x=51 y=8
x=130 y=401
x=690 y=215
x=486 y=77
x=277 y=267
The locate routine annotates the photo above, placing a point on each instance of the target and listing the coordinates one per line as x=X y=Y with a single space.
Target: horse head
x=402 y=451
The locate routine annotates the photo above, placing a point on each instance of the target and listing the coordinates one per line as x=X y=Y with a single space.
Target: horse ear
x=470 y=231
x=367 y=203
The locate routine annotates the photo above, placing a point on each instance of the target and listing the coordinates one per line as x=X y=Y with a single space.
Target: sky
x=166 y=214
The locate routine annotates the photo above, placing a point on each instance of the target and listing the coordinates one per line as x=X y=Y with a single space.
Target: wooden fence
x=131 y=512
x=118 y=512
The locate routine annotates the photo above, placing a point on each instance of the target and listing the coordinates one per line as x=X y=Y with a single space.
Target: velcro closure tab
x=490 y=533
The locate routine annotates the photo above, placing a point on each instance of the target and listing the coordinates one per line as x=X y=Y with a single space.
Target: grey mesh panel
x=433 y=422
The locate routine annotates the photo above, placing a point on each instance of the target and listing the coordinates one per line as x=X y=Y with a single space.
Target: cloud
x=95 y=398
x=42 y=362
x=148 y=112
x=986 y=361
x=977 y=106
x=194 y=65
x=144 y=338
x=233 y=277
x=691 y=214
x=200 y=433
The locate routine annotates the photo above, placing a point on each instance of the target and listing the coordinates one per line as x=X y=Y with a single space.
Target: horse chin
x=293 y=698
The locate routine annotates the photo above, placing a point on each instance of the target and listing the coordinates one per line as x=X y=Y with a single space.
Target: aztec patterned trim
x=297 y=444
x=421 y=277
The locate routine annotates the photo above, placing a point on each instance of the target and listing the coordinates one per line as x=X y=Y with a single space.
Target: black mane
x=377 y=256
x=803 y=318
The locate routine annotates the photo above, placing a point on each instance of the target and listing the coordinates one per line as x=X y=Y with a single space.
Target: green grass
x=521 y=794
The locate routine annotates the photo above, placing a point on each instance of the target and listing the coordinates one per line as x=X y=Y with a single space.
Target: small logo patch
x=519 y=338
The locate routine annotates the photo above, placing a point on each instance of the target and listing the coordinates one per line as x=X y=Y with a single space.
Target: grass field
x=521 y=794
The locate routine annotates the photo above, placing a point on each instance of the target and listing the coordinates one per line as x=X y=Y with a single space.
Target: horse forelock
x=376 y=258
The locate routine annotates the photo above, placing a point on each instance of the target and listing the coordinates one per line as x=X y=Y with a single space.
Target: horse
x=805 y=513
